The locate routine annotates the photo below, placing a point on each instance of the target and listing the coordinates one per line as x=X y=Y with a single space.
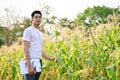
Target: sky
x=61 y=8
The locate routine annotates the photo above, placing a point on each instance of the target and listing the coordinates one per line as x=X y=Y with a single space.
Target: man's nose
x=38 y=18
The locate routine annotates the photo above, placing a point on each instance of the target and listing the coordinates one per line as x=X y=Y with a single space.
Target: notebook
x=34 y=62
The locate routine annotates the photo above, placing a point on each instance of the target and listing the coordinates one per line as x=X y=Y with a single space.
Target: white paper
x=24 y=67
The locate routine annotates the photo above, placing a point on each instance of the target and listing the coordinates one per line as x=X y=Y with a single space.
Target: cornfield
x=80 y=57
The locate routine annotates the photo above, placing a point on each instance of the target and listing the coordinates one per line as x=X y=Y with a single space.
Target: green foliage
x=65 y=22
x=48 y=16
x=1 y=41
x=10 y=28
x=94 y=16
x=111 y=39
x=1 y=31
x=56 y=33
x=15 y=30
x=9 y=64
x=77 y=59
x=111 y=71
x=26 y=22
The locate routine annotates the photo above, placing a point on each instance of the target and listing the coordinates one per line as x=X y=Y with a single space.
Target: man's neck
x=36 y=26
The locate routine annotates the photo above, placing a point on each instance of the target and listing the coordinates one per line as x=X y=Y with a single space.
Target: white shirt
x=35 y=37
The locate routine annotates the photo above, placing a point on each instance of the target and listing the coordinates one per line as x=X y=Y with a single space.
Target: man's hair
x=36 y=11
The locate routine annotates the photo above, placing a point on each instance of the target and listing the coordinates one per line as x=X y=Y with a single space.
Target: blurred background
x=16 y=15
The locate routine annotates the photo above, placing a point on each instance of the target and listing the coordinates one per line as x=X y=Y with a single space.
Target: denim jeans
x=34 y=77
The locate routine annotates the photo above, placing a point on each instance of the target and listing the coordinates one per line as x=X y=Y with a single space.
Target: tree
x=7 y=21
x=1 y=41
x=65 y=22
x=94 y=16
x=48 y=16
x=26 y=22
x=48 y=13
x=115 y=17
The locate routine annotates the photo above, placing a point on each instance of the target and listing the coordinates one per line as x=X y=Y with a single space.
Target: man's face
x=36 y=19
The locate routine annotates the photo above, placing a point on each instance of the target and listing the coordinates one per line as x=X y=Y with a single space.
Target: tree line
x=12 y=26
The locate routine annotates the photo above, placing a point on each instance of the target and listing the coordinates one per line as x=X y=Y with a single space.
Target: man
x=32 y=38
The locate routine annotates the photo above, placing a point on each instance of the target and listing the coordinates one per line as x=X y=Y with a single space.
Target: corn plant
x=78 y=59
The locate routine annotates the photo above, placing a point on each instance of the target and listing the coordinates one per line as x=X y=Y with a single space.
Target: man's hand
x=31 y=70
x=49 y=57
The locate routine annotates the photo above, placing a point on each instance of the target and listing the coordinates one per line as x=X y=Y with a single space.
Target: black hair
x=36 y=11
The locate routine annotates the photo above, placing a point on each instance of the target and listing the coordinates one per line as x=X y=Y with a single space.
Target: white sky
x=62 y=8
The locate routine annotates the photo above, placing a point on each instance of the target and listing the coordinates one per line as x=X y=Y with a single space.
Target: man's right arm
x=27 y=57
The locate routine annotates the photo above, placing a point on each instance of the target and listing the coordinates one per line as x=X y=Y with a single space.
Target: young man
x=32 y=38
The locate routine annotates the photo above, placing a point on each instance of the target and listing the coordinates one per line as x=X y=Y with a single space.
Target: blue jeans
x=34 y=77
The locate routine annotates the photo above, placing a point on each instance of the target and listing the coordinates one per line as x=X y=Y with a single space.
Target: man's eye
x=37 y=17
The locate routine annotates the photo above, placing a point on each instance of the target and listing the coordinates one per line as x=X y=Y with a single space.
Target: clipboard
x=34 y=62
